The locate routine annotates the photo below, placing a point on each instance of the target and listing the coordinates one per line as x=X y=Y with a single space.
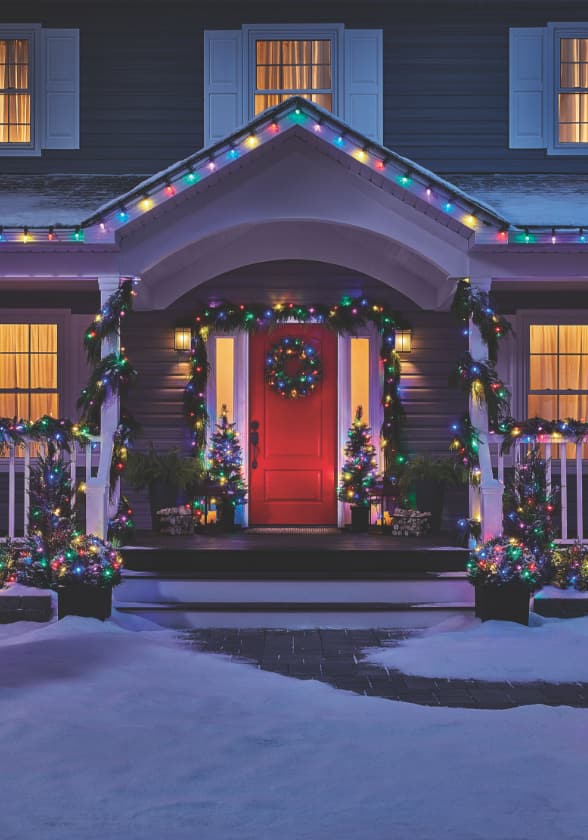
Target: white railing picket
x=579 y=500
x=27 y=478
x=563 y=479
x=11 y=490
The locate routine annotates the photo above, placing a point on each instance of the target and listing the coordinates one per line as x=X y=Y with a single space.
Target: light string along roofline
x=400 y=171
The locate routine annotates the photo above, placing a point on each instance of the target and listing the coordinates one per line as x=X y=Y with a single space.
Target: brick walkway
x=335 y=657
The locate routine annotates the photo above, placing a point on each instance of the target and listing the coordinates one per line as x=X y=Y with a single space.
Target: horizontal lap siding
x=445 y=79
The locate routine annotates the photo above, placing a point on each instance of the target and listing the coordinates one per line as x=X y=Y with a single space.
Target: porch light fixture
x=182 y=339
x=403 y=341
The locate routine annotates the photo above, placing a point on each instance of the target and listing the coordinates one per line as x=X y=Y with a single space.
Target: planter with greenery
x=427 y=477
x=505 y=573
x=84 y=574
x=167 y=476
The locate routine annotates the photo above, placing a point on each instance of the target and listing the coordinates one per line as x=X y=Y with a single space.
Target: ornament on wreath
x=304 y=381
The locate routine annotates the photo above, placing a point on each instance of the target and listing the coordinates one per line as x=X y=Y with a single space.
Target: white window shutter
x=527 y=89
x=61 y=94
x=223 y=89
x=363 y=104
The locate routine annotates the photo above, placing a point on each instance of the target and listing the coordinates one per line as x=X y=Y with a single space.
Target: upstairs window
x=15 y=91
x=286 y=68
x=572 y=93
x=39 y=89
x=257 y=67
x=549 y=88
x=28 y=371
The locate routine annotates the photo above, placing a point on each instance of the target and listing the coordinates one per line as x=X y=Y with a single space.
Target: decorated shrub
x=8 y=557
x=502 y=561
x=569 y=567
x=32 y=563
x=86 y=559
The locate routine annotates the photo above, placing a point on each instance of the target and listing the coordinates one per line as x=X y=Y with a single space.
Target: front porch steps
x=399 y=600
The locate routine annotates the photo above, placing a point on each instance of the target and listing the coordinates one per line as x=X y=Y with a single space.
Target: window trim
x=32 y=32
x=296 y=31
x=556 y=31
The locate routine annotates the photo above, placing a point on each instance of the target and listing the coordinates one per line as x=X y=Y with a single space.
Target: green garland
x=345 y=317
x=471 y=303
x=308 y=375
x=465 y=444
x=107 y=322
x=570 y=430
x=480 y=380
x=59 y=434
x=112 y=375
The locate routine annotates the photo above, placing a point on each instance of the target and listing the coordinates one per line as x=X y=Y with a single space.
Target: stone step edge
x=404 y=577
x=281 y=606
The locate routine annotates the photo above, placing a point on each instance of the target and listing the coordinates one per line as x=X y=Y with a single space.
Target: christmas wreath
x=304 y=380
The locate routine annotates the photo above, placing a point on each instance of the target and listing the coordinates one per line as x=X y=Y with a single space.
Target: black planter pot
x=85 y=600
x=430 y=496
x=360 y=519
x=162 y=495
x=227 y=517
x=503 y=603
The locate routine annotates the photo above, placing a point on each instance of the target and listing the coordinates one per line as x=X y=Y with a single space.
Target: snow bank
x=114 y=735
x=550 y=649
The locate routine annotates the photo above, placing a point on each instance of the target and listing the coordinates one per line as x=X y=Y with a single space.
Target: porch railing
x=17 y=462
x=565 y=468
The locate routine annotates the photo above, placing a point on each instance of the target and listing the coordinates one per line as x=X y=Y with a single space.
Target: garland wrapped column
x=112 y=372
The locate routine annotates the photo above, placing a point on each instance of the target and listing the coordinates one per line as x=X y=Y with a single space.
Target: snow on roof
x=532 y=200
x=43 y=200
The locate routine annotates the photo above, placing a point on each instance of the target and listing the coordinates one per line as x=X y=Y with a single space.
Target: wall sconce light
x=403 y=341
x=182 y=339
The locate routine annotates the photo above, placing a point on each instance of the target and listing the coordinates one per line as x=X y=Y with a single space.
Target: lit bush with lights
x=569 y=567
x=86 y=560
x=502 y=561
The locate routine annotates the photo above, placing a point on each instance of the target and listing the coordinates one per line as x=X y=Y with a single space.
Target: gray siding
x=445 y=72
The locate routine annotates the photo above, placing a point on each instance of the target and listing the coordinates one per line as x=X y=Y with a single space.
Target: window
x=549 y=88
x=558 y=371
x=257 y=67
x=28 y=371
x=572 y=92
x=286 y=68
x=15 y=91
x=39 y=89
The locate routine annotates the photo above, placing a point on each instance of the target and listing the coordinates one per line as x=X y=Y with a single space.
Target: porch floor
x=293 y=554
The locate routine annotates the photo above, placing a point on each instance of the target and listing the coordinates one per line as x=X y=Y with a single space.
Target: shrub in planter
x=166 y=476
x=9 y=552
x=569 y=567
x=427 y=477
x=505 y=573
x=84 y=574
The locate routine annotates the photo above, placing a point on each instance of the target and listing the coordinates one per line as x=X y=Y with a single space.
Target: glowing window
x=15 y=91
x=572 y=93
x=360 y=377
x=28 y=371
x=290 y=67
x=225 y=375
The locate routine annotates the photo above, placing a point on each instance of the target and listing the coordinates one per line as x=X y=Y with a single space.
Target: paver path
x=335 y=657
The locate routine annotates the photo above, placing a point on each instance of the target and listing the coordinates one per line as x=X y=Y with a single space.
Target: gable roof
x=487 y=205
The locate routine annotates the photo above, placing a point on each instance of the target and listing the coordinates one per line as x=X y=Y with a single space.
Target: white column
x=99 y=506
x=486 y=500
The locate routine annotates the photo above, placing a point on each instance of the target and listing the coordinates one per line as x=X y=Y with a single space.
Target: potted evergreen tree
x=226 y=462
x=167 y=476
x=358 y=474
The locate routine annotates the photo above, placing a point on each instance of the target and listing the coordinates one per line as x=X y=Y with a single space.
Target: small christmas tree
x=226 y=462
x=358 y=475
x=50 y=505
x=529 y=506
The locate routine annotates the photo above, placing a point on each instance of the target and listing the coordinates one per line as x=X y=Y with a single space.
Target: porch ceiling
x=297 y=200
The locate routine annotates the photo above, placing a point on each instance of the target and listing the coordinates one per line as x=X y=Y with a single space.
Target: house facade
x=315 y=171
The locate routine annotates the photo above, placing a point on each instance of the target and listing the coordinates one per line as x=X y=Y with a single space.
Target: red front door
x=293 y=482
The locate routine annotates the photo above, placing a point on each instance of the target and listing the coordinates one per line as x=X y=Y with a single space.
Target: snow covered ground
x=110 y=734
x=550 y=649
